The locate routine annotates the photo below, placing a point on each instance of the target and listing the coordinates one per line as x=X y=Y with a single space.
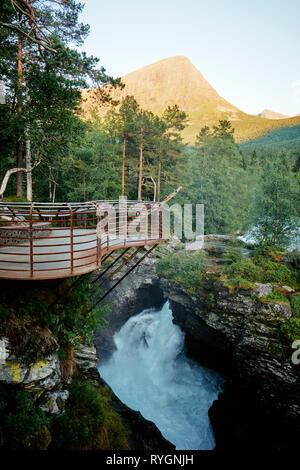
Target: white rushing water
x=150 y=373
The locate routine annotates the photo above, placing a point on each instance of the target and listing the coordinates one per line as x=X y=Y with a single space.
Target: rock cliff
x=36 y=375
x=234 y=332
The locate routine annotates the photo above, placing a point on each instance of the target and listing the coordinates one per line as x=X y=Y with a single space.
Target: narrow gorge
x=231 y=334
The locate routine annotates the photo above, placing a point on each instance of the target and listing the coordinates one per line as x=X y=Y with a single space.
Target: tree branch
x=11 y=172
x=20 y=31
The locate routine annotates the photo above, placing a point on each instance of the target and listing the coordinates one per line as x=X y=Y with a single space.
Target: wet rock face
x=41 y=377
x=240 y=332
x=234 y=333
x=37 y=376
x=144 y=434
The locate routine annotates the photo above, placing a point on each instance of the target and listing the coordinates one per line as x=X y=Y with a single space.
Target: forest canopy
x=45 y=143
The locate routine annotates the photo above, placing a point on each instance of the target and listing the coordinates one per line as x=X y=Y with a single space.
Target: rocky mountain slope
x=177 y=81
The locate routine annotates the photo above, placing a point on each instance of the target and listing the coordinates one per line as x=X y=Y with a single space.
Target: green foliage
x=136 y=133
x=265 y=250
x=261 y=268
x=294 y=258
x=274 y=210
x=276 y=272
x=89 y=422
x=286 y=138
x=291 y=329
x=68 y=319
x=233 y=255
x=214 y=175
x=93 y=171
x=295 y=304
x=184 y=268
x=243 y=269
x=277 y=295
x=15 y=198
x=42 y=105
x=21 y=419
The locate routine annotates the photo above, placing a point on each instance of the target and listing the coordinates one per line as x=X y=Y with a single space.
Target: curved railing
x=55 y=240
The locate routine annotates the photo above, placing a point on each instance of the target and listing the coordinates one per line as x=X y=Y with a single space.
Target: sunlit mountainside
x=177 y=81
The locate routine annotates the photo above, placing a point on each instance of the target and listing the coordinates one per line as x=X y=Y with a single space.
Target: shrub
x=21 y=421
x=232 y=255
x=294 y=258
x=68 y=319
x=295 y=304
x=277 y=295
x=265 y=250
x=243 y=269
x=89 y=422
x=291 y=329
x=276 y=272
x=184 y=268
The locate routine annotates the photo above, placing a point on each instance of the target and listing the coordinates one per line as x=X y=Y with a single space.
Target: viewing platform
x=56 y=240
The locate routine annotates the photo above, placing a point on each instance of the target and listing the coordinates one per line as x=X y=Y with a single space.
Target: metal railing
x=55 y=240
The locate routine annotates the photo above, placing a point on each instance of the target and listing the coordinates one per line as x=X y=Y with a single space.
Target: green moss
x=265 y=300
x=233 y=284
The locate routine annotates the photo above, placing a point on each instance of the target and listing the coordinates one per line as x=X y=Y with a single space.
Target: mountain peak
x=268 y=114
x=175 y=80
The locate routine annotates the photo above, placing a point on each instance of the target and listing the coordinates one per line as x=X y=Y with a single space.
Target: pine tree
x=170 y=146
x=42 y=91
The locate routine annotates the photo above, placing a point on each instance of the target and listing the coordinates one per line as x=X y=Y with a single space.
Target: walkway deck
x=57 y=252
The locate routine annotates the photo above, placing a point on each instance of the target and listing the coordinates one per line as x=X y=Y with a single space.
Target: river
x=150 y=373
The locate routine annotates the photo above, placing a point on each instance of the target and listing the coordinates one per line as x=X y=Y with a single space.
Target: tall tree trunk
x=20 y=158
x=84 y=186
x=158 y=181
x=140 y=171
x=19 y=164
x=123 y=166
x=28 y=167
x=54 y=192
x=159 y=170
x=50 y=184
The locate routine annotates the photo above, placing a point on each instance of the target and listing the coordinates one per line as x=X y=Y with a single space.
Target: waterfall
x=150 y=373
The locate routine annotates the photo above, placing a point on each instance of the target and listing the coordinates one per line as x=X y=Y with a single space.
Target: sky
x=248 y=50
